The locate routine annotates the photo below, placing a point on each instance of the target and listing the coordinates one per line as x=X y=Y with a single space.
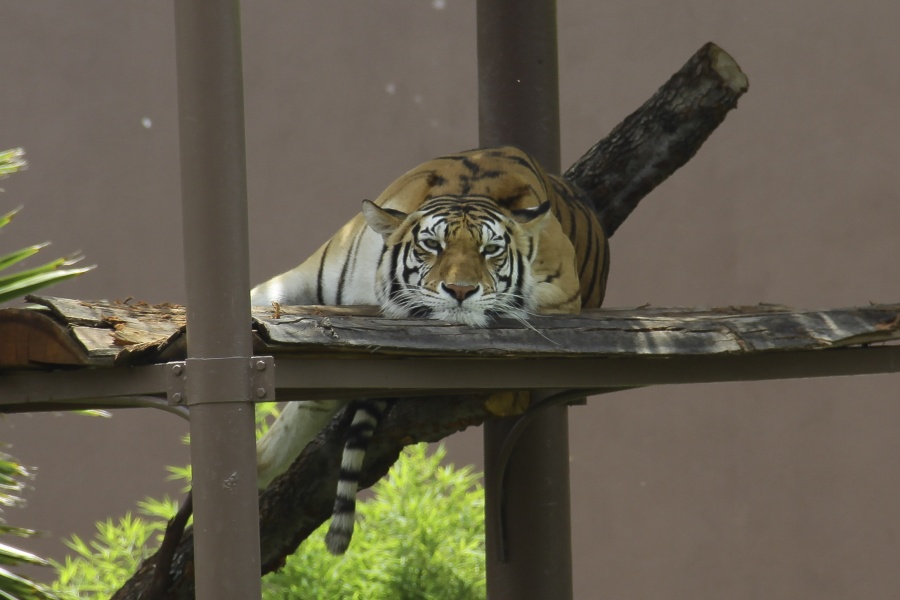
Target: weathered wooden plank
x=148 y=319
x=609 y=333
x=30 y=339
x=139 y=334
x=103 y=329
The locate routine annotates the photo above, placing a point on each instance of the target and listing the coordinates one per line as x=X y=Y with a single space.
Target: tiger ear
x=382 y=220
x=531 y=217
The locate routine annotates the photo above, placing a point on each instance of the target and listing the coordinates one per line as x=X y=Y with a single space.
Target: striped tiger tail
x=366 y=417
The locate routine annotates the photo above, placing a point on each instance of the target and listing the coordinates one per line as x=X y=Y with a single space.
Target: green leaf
x=94 y=412
x=19 y=255
x=13 y=556
x=36 y=282
x=12 y=161
x=53 y=265
x=16 y=587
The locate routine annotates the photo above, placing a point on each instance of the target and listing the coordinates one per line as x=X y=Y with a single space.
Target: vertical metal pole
x=519 y=105
x=214 y=204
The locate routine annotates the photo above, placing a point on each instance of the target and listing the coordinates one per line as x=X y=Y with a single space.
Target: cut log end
x=728 y=69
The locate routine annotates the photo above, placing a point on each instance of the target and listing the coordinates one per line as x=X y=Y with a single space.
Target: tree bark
x=659 y=137
x=614 y=176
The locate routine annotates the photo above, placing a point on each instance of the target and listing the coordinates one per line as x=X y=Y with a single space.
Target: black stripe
x=601 y=291
x=523 y=162
x=596 y=270
x=435 y=179
x=589 y=251
x=374 y=408
x=359 y=440
x=362 y=427
x=552 y=276
x=349 y=476
x=472 y=166
x=520 y=265
x=536 y=170
x=344 y=506
x=339 y=298
x=396 y=288
x=421 y=312
x=350 y=258
x=319 y=292
x=598 y=280
x=572 y=227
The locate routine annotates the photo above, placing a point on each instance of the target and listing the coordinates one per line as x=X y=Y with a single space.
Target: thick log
x=658 y=138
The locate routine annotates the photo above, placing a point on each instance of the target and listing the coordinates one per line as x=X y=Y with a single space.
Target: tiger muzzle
x=459 y=291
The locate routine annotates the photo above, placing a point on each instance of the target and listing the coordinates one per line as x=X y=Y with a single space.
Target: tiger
x=464 y=238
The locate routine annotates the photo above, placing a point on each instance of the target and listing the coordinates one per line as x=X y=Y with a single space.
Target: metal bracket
x=261 y=371
x=541 y=401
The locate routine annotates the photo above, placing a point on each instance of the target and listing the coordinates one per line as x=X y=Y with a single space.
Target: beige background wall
x=763 y=490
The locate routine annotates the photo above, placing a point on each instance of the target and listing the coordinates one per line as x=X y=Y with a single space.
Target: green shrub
x=102 y=565
x=420 y=536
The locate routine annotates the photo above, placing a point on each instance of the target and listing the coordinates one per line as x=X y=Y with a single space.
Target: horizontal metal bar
x=95 y=404
x=88 y=387
x=344 y=378
x=335 y=378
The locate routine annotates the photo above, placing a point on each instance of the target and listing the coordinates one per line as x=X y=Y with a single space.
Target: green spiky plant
x=16 y=285
x=421 y=535
x=13 y=476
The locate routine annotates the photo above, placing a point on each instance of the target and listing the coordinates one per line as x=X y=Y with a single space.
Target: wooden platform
x=56 y=332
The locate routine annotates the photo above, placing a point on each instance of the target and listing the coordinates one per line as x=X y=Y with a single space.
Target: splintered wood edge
x=728 y=69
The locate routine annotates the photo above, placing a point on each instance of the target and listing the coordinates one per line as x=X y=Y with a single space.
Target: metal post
x=213 y=179
x=519 y=105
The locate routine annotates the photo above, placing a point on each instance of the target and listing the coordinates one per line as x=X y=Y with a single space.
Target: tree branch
x=658 y=138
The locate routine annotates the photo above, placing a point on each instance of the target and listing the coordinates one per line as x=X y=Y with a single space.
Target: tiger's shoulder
x=506 y=175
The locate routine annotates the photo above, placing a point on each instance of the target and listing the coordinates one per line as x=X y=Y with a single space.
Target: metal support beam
x=214 y=206
x=519 y=105
x=311 y=378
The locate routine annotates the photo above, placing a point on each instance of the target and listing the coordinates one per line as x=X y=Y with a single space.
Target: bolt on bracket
x=185 y=375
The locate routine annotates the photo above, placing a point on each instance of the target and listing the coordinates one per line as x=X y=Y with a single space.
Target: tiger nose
x=458 y=291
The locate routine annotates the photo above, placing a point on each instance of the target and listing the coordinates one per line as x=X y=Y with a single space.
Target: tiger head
x=461 y=259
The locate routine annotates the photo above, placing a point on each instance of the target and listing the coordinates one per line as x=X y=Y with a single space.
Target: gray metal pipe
x=214 y=205
x=529 y=547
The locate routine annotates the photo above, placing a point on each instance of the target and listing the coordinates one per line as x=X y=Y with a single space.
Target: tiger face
x=460 y=259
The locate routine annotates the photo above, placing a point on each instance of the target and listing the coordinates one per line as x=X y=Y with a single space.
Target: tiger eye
x=430 y=244
x=490 y=249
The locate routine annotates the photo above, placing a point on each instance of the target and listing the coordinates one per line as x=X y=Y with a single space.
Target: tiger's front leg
x=299 y=423
x=557 y=289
